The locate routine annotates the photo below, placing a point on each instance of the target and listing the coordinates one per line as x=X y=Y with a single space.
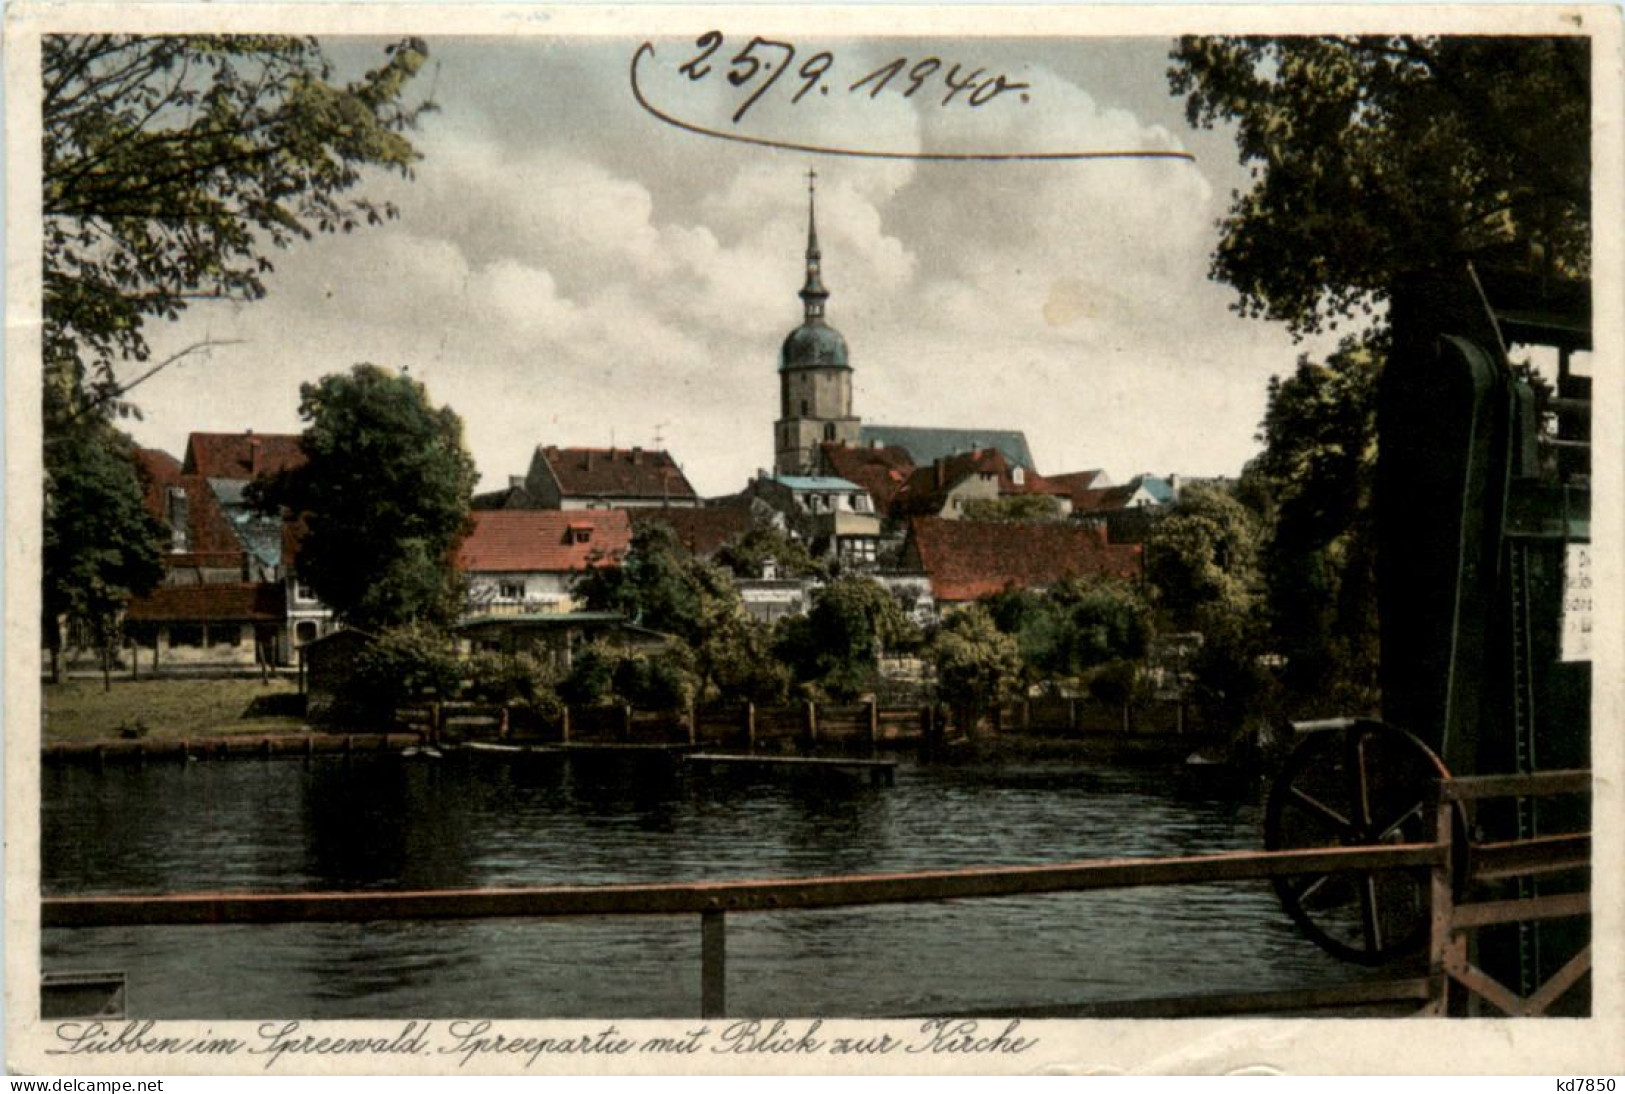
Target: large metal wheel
x=1356 y=783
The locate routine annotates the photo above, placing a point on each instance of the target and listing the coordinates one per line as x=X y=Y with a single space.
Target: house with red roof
x=966 y=560
x=944 y=487
x=526 y=561
x=605 y=478
x=703 y=531
x=243 y=456
x=880 y=469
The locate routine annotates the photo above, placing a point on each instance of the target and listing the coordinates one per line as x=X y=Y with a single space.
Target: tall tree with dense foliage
x=1314 y=478
x=99 y=546
x=384 y=494
x=977 y=665
x=1078 y=625
x=173 y=165
x=1376 y=156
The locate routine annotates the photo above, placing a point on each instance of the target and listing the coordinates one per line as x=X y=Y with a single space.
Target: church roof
x=926 y=444
x=814 y=344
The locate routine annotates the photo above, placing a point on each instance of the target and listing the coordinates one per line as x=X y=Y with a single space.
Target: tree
x=384 y=494
x=99 y=545
x=1202 y=560
x=1077 y=626
x=747 y=555
x=1377 y=156
x=977 y=666
x=661 y=585
x=1315 y=479
x=837 y=644
x=172 y=164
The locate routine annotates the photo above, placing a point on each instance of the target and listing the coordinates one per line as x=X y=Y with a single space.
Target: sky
x=567 y=269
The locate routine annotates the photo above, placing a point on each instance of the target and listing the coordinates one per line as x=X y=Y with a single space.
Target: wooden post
x=436 y=720
x=101 y=758
x=1441 y=905
x=265 y=748
x=1072 y=716
x=301 y=670
x=1125 y=717
x=713 y=964
x=626 y=721
x=874 y=724
x=186 y=749
x=811 y=713
x=310 y=746
x=564 y=727
x=750 y=727
x=349 y=745
x=504 y=726
x=692 y=721
x=1026 y=714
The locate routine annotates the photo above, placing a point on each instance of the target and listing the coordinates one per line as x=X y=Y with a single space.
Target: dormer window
x=578 y=533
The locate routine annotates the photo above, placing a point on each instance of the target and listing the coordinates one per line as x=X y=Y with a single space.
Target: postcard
x=833 y=539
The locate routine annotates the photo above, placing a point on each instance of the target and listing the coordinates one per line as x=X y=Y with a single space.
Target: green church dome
x=814 y=344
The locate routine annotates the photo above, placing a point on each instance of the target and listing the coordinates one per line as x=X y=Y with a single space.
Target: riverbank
x=168 y=709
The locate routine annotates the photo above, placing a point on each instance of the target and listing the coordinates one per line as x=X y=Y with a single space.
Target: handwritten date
x=764 y=62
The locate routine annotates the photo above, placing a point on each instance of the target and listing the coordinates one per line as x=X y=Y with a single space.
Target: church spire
x=813 y=293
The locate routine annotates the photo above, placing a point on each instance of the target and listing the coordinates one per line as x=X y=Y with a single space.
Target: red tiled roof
x=259 y=602
x=927 y=489
x=539 y=540
x=881 y=471
x=616 y=473
x=968 y=559
x=702 y=531
x=232 y=455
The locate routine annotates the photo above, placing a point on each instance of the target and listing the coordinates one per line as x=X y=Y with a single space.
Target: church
x=816 y=417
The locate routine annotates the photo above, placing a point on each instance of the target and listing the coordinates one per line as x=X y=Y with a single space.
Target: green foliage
x=1014 y=507
x=512 y=678
x=1202 y=560
x=99 y=545
x=384 y=493
x=602 y=673
x=746 y=555
x=977 y=665
x=1317 y=472
x=837 y=644
x=1079 y=624
x=401 y=666
x=172 y=164
x=660 y=585
x=1379 y=155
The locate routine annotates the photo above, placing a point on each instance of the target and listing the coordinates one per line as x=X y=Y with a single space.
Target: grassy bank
x=79 y=710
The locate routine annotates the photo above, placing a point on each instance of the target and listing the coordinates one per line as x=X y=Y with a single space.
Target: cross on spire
x=813 y=293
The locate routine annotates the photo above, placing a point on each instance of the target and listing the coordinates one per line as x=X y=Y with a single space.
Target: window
x=302 y=591
x=185 y=634
x=858 y=550
x=803 y=408
x=304 y=631
x=829 y=431
x=225 y=634
x=511 y=590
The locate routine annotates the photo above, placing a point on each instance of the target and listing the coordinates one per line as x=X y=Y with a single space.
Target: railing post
x=750 y=727
x=1072 y=716
x=713 y=964
x=811 y=711
x=874 y=723
x=693 y=724
x=626 y=721
x=564 y=727
x=1442 y=911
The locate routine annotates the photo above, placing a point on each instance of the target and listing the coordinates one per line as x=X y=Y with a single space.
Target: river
x=286 y=826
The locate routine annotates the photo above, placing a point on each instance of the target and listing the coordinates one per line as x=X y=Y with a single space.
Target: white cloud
x=566 y=270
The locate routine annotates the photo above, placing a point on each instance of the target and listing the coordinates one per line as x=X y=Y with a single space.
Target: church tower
x=815 y=380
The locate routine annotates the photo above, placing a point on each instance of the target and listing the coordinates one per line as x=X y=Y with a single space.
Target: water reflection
x=383 y=824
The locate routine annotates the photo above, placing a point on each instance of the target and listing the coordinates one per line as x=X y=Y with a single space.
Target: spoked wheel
x=1356 y=784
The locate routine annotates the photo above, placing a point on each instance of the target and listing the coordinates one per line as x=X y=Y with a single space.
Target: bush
x=404 y=665
x=603 y=673
x=520 y=679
